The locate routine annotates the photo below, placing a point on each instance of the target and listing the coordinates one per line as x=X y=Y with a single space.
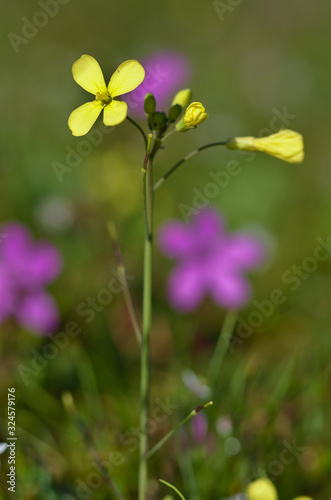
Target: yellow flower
x=261 y=489
x=286 y=145
x=302 y=498
x=194 y=115
x=87 y=73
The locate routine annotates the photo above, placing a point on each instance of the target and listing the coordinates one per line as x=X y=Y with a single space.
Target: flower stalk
x=147 y=173
x=193 y=413
x=185 y=158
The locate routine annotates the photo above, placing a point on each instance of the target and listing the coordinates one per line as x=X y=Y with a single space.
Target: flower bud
x=261 y=489
x=182 y=98
x=149 y=104
x=175 y=112
x=286 y=145
x=158 y=121
x=194 y=115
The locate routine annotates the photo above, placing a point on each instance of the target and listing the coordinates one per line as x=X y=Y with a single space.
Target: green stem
x=139 y=128
x=187 y=157
x=173 y=488
x=147 y=317
x=168 y=135
x=193 y=413
x=221 y=348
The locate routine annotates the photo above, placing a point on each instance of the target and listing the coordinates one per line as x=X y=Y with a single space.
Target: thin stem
x=221 y=348
x=122 y=274
x=139 y=128
x=193 y=413
x=168 y=135
x=187 y=157
x=147 y=173
x=173 y=488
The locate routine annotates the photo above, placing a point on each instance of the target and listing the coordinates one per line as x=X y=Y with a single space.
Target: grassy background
x=275 y=386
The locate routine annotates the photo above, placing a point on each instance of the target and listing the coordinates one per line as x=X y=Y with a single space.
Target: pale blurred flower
x=55 y=214
x=194 y=384
x=224 y=426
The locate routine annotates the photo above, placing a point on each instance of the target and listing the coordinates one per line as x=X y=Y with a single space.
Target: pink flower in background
x=200 y=428
x=209 y=262
x=26 y=268
x=166 y=74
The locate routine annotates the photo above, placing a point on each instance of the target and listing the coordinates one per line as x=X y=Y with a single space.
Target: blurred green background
x=248 y=60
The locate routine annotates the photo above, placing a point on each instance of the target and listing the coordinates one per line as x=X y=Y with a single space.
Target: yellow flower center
x=103 y=98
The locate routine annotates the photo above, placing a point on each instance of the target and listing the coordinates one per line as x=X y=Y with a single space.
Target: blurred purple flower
x=166 y=74
x=26 y=268
x=210 y=262
x=200 y=427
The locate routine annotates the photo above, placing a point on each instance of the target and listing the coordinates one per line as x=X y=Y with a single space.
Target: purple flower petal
x=38 y=312
x=185 y=287
x=230 y=290
x=209 y=225
x=15 y=243
x=165 y=74
x=43 y=265
x=246 y=250
x=209 y=262
x=31 y=265
x=174 y=239
x=25 y=268
x=7 y=294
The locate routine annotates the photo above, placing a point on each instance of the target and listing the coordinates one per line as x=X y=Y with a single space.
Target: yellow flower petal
x=115 y=113
x=87 y=73
x=127 y=77
x=82 y=119
x=286 y=145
